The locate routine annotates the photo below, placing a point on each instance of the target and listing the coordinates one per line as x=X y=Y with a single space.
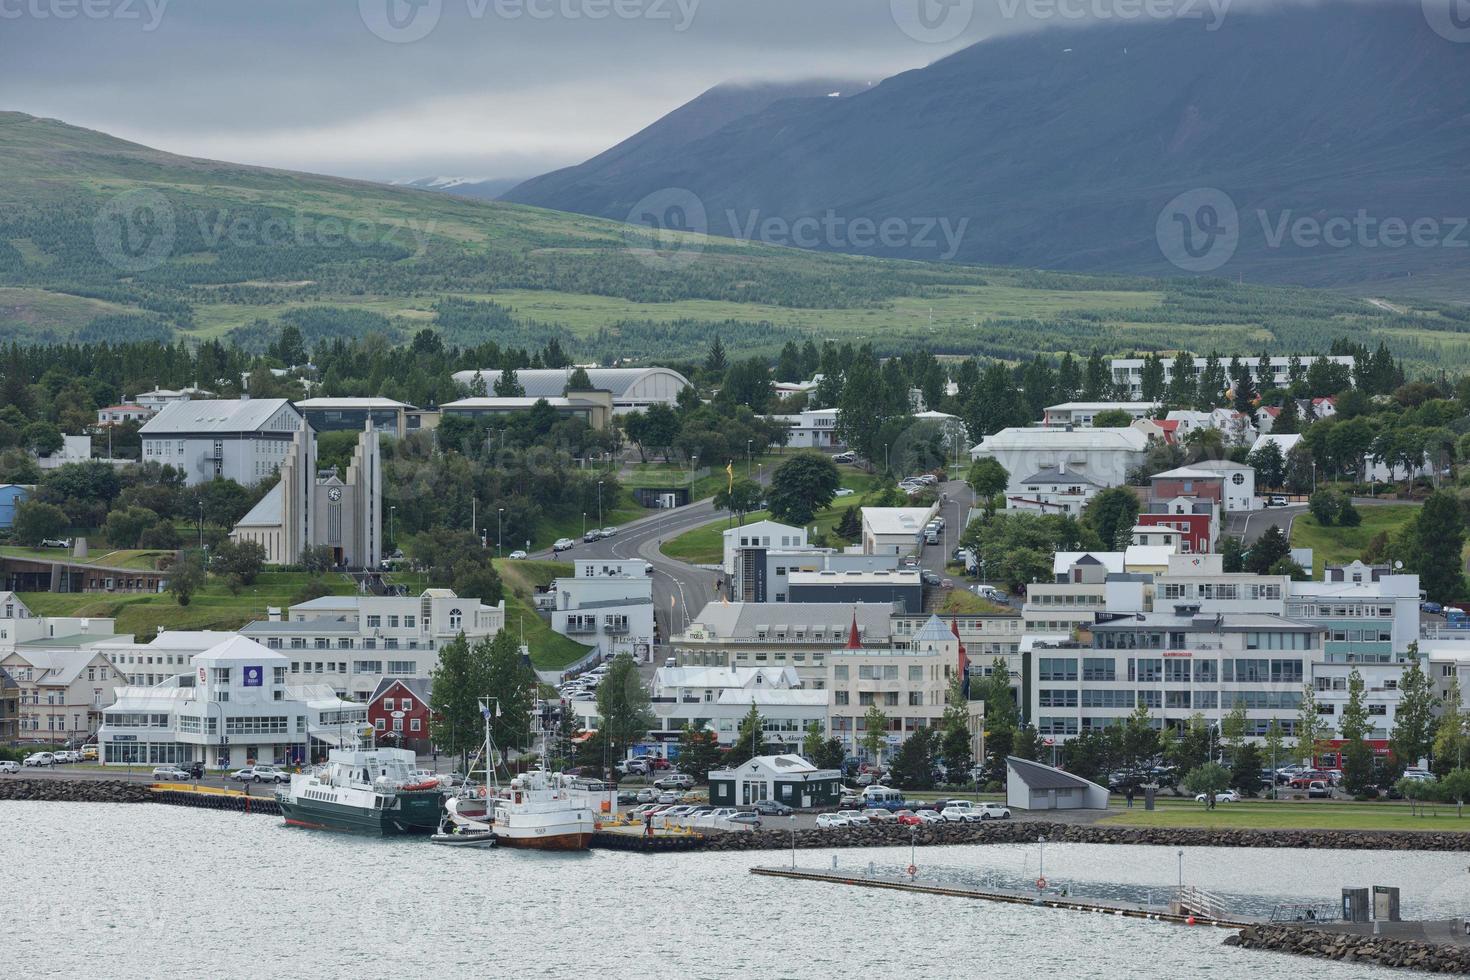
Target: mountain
x=1061 y=149
x=106 y=240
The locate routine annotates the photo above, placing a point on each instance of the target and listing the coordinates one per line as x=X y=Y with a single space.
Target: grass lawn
x=549 y=650
x=1339 y=545
x=1290 y=815
x=962 y=601
x=614 y=514
x=213 y=608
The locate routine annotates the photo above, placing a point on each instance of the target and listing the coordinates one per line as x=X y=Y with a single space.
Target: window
x=840 y=698
x=388 y=704
x=393 y=622
x=1099 y=669
x=1057 y=669
x=865 y=698
x=374 y=622
x=413 y=724
x=916 y=699
x=890 y=699
x=1057 y=698
x=916 y=673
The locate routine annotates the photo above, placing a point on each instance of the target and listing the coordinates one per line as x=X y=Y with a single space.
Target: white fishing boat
x=541 y=811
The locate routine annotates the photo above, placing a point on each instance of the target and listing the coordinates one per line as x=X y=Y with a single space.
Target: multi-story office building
x=606 y=604
x=244 y=440
x=1128 y=371
x=779 y=634
x=909 y=685
x=1371 y=614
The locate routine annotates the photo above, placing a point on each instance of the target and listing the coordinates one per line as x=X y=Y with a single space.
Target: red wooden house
x=399 y=713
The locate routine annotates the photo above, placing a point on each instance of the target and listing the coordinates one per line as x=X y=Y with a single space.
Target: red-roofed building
x=399 y=713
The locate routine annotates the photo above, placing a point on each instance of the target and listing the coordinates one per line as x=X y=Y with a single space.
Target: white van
x=882 y=796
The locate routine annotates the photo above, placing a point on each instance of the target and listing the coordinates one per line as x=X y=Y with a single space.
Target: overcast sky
x=492 y=88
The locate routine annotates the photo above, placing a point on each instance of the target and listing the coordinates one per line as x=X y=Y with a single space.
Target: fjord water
x=156 y=891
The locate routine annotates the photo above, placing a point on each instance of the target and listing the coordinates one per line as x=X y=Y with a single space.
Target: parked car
x=826 y=821
x=608 y=531
x=39 y=759
x=563 y=544
x=517 y=555
x=747 y=817
x=648 y=795
x=993 y=811
x=929 y=816
x=851 y=799
x=10 y=766
x=1319 y=789
x=1431 y=607
x=929 y=577
x=854 y=818
x=668 y=796
x=89 y=753
x=1304 y=779
x=845 y=458
x=876 y=815
x=260 y=774
x=675 y=781
x=844 y=492
x=56 y=543
x=1225 y=796
x=170 y=773
x=1275 y=500
x=957 y=814
x=591 y=536
x=908 y=818
x=773 y=808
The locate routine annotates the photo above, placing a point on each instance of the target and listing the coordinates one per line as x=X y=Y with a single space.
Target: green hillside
x=101 y=239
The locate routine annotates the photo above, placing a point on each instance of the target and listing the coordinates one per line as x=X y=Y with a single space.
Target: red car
x=1303 y=780
x=908 y=818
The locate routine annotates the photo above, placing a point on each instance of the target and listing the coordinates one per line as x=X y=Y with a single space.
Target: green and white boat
x=365 y=791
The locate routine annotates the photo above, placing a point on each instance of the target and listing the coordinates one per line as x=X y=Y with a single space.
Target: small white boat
x=464 y=838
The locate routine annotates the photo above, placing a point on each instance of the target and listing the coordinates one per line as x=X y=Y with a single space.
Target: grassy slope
x=214 y=608
x=142 y=559
x=1336 y=545
x=549 y=650
x=49 y=166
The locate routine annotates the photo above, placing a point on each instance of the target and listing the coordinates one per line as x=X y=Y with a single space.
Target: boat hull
x=574 y=841
x=415 y=813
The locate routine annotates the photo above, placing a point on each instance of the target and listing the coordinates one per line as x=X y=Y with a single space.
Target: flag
x=730 y=473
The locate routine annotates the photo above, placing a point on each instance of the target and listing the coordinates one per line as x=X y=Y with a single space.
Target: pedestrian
x=1128 y=795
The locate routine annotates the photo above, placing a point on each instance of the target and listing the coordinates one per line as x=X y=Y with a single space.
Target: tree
x=955 y=741
x=42 y=438
x=801 y=486
x=1269 y=464
x=1289 y=420
x=1311 y=730
x=913 y=763
x=1245 y=770
x=1412 y=737
x=1210 y=388
x=987 y=477
x=186 y=575
x=699 y=752
x=1112 y=512
x=1112 y=418
x=1325 y=505
x=1190 y=746
x=812 y=738
x=1439 y=538
x=1233 y=727
x=1347 y=514
x=851 y=525
x=316 y=559
x=747 y=383
x=1449 y=733
x=1355 y=726
x=241 y=561
x=456 y=685
x=715 y=361
x=1150 y=380
x=1456 y=786
x=1211 y=779
x=1140 y=738
x=623 y=706
x=512 y=683
x=750 y=736
x=508 y=385
x=875 y=733
x=1269 y=548
x=739 y=497
x=1181 y=392
x=579 y=381
x=1232 y=554
x=1273 y=751
x=36 y=521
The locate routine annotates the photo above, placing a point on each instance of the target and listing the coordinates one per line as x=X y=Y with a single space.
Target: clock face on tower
x=335 y=493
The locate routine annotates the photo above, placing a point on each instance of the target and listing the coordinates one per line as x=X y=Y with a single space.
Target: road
x=1250 y=525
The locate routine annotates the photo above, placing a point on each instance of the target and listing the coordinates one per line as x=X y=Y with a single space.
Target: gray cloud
x=308 y=85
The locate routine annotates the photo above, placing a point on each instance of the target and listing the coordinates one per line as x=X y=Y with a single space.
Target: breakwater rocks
x=1380 y=950
x=74 y=790
x=1026 y=831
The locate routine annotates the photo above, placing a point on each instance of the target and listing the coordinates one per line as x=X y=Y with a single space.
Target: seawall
x=1414 y=954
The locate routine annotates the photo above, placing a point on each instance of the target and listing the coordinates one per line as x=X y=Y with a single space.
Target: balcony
x=580 y=627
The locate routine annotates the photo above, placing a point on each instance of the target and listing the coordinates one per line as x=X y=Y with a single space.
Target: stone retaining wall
x=74 y=790
x=1026 y=831
x=1410 y=953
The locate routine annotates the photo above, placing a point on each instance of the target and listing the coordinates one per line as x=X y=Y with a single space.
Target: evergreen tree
x=1273 y=751
x=1112 y=513
x=1439 y=538
x=699 y=752
x=1449 y=732
x=624 y=706
x=579 y=381
x=457 y=683
x=1289 y=421
x=1269 y=548
x=1412 y=737
x=1097 y=385
x=1245 y=770
x=954 y=745
x=1245 y=392
x=1296 y=374
x=1232 y=554
x=1355 y=726
x=913 y=763
x=1182 y=392
x=508 y=385
x=788 y=365
x=1210 y=388
x=851 y=525
x=715 y=362
x=1069 y=378
x=1151 y=378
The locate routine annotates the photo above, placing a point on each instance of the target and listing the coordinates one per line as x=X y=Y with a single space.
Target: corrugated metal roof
x=214 y=415
x=551 y=382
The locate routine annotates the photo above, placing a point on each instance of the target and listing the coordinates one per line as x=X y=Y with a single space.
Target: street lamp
x=584 y=523
x=201 y=524
x=392 y=513
x=1181 y=870
x=599 y=503
x=747 y=457
x=499 y=529
x=1041 y=864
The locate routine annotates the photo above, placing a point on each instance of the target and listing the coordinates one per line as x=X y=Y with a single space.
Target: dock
x=1177 y=912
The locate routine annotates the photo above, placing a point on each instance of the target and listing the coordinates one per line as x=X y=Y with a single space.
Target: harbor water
x=157 y=891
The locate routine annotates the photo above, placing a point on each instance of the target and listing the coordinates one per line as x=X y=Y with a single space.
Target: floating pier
x=208 y=798
x=1174 y=913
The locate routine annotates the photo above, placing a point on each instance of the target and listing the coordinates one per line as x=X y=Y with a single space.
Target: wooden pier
x=1045 y=899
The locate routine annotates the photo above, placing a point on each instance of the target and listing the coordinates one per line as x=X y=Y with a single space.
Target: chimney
x=273 y=614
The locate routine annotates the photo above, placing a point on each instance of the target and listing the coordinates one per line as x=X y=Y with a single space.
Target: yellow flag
x=730 y=472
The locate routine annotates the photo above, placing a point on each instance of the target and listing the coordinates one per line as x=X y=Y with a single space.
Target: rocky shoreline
x=75 y=790
x=1021 y=832
x=1412 y=954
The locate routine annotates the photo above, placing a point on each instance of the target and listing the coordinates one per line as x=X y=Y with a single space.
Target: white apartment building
x=350 y=643
x=1104 y=456
x=244 y=440
x=1370 y=614
x=765 y=576
x=1176 y=664
x=720 y=697
x=895 y=530
x=606 y=604
x=1082 y=413
x=780 y=634
x=1128 y=371
x=815 y=428
x=1054 y=490
x=909 y=685
x=236 y=706
x=742 y=543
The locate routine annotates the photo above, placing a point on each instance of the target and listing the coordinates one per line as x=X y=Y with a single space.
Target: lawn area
x=962 y=602
x=1290 y=815
x=1339 y=545
x=614 y=514
x=213 y=608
